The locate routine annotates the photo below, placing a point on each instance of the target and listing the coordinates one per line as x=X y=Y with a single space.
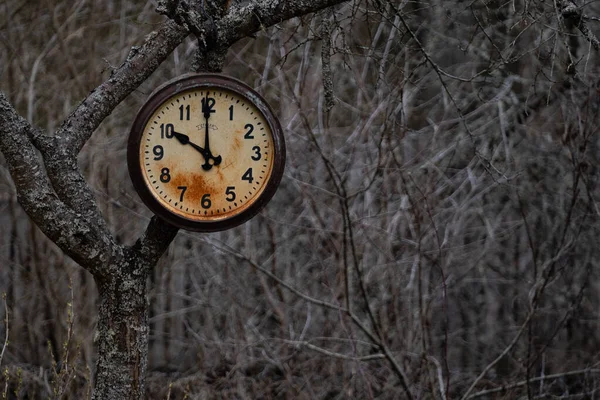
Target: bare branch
x=326 y=62
x=506 y=350
x=570 y=11
x=5 y=345
x=155 y=241
x=68 y=182
x=79 y=239
x=247 y=19
x=330 y=353
x=525 y=382
x=322 y=303
x=140 y=63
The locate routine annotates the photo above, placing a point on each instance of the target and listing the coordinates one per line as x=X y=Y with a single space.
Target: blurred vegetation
x=442 y=184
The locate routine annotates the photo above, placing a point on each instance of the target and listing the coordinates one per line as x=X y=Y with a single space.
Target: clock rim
x=195 y=81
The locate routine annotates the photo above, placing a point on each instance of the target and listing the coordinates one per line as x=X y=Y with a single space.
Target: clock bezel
x=199 y=81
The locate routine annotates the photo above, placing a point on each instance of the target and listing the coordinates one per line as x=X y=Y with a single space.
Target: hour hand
x=185 y=139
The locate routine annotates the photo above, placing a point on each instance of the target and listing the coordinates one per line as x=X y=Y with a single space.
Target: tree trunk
x=122 y=332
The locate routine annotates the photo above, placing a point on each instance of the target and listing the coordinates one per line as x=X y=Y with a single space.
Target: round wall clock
x=206 y=153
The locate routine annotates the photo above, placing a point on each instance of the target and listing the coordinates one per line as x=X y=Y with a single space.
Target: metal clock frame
x=199 y=81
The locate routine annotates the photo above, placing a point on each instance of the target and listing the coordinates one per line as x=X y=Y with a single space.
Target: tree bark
x=122 y=333
x=122 y=337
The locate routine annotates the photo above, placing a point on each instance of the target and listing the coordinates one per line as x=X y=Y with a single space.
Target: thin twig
x=374 y=337
x=326 y=61
x=440 y=376
x=330 y=353
x=525 y=382
x=501 y=356
x=350 y=247
x=570 y=10
x=5 y=345
x=225 y=248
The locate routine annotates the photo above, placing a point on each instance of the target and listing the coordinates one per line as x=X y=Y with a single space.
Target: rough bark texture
x=53 y=192
x=123 y=315
x=86 y=243
x=123 y=332
x=246 y=19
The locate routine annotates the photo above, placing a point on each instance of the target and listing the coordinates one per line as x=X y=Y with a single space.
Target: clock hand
x=207 y=106
x=185 y=139
x=217 y=159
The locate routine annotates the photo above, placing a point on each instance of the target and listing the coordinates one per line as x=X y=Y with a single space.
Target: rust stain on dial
x=236 y=144
x=196 y=184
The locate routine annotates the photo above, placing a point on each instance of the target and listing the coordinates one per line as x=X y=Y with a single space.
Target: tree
x=435 y=235
x=55 y=195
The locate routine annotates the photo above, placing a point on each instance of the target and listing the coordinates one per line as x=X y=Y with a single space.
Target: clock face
x=206 y=152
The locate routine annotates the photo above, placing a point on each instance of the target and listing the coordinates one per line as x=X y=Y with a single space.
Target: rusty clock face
x=206 y=153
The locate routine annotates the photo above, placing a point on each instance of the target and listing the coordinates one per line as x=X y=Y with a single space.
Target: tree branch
x=61 y=203
x=504 y=352
x=79 y=239
x=5 y=345
x=155 y=241
x=532 y=380
x=68 y=182
x=140 y=63
x=570 y=11
x=329 y=353
x=244 y=20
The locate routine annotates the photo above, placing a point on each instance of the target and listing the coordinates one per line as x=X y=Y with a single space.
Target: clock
x=205 y=152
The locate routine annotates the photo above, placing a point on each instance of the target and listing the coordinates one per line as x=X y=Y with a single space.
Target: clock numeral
x=183 y=189
x=158 y=152
x=207 y=105
x=166 y=131
x=231 y=112
x=257 y=156
x=165 y=175
x=205 y=202
x=187 y=112
x=230 y=193
x=248 y=134
x=248 y=176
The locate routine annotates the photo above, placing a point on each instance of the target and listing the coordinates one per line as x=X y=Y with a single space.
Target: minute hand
x=216 y=160
x=207 y=105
